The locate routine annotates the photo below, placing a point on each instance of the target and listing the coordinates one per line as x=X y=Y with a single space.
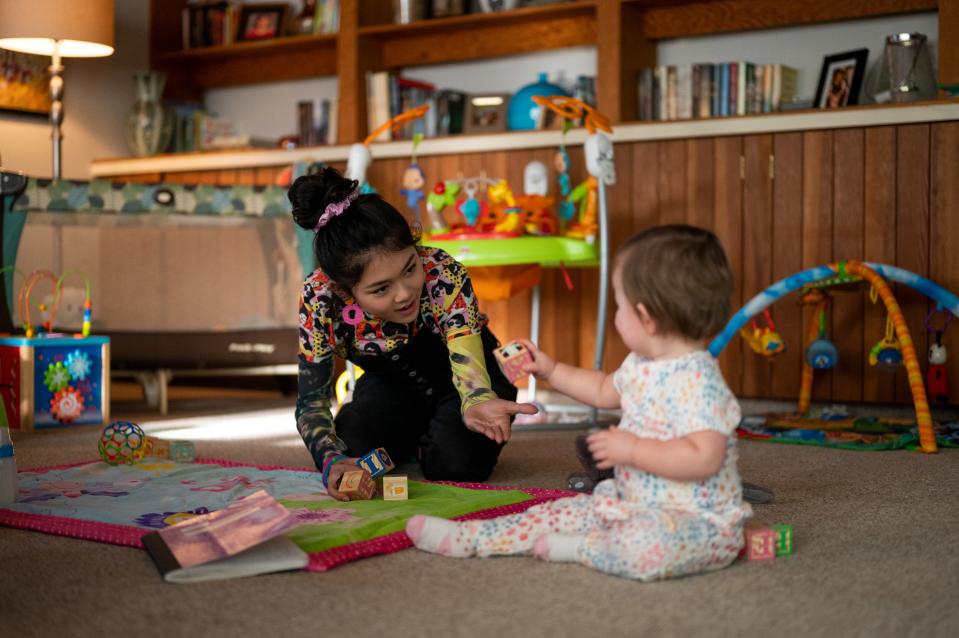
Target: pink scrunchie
x=334 y=209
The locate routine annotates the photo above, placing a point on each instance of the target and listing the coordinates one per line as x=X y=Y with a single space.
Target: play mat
x=119 y=504
x=844 y=431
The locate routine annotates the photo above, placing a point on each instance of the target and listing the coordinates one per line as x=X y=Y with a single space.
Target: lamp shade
x=83 y=28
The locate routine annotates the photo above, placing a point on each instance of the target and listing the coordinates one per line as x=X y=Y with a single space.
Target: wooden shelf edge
x=850 y=117
x=474 y=20
x=245 y=49
x=690 y=19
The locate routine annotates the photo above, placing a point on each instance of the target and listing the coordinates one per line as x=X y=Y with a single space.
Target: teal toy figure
x=561 y=163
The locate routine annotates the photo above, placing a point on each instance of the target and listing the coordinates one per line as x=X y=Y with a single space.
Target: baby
x=674 y=505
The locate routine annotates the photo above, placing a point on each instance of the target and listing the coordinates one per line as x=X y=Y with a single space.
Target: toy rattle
x=122 y=442
x=886 y=355
x=822 y=353
x=765 y=341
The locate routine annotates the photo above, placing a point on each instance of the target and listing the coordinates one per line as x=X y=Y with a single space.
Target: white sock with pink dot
x=557 y=548
x=438 y=535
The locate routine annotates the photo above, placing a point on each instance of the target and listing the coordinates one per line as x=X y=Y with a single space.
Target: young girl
x=407 y=315
x=674 y=506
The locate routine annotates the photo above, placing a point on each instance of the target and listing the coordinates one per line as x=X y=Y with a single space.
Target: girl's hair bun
x=310 y=195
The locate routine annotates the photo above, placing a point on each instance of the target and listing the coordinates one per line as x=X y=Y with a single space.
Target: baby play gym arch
x=876 y=275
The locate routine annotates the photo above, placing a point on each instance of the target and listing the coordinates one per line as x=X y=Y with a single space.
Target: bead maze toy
x=50 y=378
x=811 y=283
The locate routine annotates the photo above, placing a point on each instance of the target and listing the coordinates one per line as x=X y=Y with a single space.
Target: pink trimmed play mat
x=119 y=504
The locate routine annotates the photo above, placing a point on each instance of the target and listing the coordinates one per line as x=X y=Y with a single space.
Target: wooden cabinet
x=623 y=31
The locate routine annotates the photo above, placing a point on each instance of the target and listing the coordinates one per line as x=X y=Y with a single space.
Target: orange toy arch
x=927 y=437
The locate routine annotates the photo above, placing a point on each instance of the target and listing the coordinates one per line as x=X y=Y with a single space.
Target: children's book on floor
x=244 y=539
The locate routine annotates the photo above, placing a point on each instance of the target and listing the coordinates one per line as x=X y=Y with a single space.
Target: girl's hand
x=542 y=365
x=340 y=468
x=491 y=418
x=611 y=447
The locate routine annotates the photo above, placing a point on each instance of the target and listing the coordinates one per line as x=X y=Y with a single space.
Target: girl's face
x=636 y=333
x=391 y=285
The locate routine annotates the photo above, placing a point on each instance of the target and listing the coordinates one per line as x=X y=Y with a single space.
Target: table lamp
x=60 y=29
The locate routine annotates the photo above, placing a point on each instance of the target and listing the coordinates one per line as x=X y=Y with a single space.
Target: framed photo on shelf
x=24 y=83
x=261 y=21
x=840 y=79
x=486 y=113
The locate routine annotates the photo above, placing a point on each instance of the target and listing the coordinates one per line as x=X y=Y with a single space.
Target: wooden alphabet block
x=158 y=448
x=784 y=539
x=182 y=451
x=511 y=359
x=377 y=462
x=395 y=488
x=761 y=544
x=358 y=485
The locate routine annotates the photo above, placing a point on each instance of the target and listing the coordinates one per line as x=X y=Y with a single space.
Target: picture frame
x=261 y=21
x=840 y=79
x=486 y=113
x=25 y=83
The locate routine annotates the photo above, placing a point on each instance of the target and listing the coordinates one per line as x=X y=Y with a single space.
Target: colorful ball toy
x=122 y=442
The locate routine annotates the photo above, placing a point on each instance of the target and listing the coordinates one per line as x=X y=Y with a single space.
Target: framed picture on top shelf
x=841 y=78
x=486 y=113
x=261 y=21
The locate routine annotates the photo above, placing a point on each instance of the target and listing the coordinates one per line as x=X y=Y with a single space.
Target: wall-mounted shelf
x=849 y=117
x=481 y=36
x=624 y=33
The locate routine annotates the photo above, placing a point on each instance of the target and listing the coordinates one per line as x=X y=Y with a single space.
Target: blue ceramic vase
x=523 y=111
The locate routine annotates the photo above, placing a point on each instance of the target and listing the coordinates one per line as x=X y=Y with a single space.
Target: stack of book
x=690 y=91
x=389 y=94
x=198 y=130
x=207 y=23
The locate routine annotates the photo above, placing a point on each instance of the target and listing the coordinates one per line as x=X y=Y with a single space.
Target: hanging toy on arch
x=413 y=182
x=822 y=353
x=886 y=355
x=561 y=164
x=937 y=383
x=764 y=340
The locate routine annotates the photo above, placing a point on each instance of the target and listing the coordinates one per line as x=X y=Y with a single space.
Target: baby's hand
x=542 y=365
x=611 y=447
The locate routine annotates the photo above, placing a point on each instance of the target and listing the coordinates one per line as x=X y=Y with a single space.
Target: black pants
x=405 y=402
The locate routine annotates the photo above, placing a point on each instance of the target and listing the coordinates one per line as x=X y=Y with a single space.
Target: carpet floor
x=874 y=534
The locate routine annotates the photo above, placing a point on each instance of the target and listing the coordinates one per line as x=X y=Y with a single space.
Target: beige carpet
x=876 y=536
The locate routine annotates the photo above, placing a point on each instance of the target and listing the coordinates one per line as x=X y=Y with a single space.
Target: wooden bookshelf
x=624 y=33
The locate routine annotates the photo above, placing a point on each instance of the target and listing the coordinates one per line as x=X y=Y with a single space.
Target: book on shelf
x=389 y=94
x=243 y=539
x=327 y=17
x=206 y=23
x=209 y=23
x=693 y=91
